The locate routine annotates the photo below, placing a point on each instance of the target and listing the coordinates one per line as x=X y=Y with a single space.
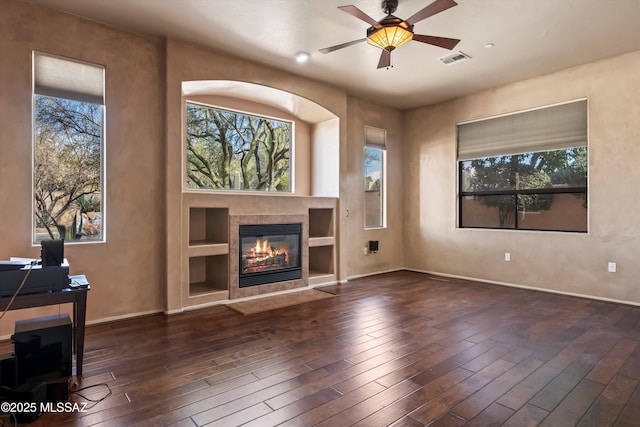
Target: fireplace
x=269 y=253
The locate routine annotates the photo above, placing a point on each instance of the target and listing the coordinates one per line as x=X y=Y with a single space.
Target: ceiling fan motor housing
x=393 y=32
x=389 y=6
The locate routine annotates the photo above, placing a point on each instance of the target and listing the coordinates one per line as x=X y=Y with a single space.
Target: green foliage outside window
x=67 y=169
x=231 y=150
x=525 y=182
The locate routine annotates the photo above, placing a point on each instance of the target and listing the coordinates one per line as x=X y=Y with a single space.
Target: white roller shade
x=375 y=137
x=545 y=129
x=69 y=79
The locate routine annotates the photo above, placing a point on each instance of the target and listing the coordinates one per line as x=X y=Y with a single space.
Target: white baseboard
x=530 y=288
x=106 y=320
x=374 y=273
x=121 y=317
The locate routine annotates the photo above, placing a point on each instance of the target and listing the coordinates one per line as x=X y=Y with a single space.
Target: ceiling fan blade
x=444 y=42
x=385 y=59
x=354 y=11
x=434 y=8
x=340 y=46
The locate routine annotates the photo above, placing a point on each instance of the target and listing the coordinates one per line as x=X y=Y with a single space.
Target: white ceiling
x=531 y=38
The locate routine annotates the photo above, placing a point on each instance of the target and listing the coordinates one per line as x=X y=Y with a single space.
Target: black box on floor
x=42 y=347
x=7 y=371
x=58 y=389
x=33 y=393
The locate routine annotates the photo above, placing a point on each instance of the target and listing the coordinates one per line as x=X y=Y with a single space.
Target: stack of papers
x=79 y=280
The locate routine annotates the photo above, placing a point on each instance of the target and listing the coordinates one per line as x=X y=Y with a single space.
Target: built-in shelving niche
x=321 y=245
x=321 y=222
x=208 y=274
x=208 y=226
x=208 y=251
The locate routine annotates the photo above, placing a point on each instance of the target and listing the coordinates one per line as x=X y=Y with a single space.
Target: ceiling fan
x=391 y=32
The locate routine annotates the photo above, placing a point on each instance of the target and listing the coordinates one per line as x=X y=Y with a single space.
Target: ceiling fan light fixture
x=392 y=33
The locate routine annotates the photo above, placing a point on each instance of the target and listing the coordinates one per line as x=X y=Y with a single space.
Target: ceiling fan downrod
x=389 y=6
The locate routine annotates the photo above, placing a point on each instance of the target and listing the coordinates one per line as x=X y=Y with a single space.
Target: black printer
x=40 y=279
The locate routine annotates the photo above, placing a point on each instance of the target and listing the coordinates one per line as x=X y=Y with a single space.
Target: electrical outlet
x=507 y=256
x=611 y=267
x=366 y=250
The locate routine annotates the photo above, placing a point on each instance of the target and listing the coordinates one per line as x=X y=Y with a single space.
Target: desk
x=76 y=296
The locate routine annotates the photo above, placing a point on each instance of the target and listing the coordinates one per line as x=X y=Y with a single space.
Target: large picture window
x=374 y=177
x=68 y=115
x=232 y=150
x=525 y=171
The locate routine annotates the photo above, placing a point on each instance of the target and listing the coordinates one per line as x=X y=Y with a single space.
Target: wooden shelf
x=201 y=248
x=321 y=241
x=202 y=289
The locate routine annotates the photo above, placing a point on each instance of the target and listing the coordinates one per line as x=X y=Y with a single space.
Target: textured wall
x=574 y=263
x=391 y=253
x=125 y=272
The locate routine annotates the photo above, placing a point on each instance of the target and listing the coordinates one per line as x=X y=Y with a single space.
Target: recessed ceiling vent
x=454 y=58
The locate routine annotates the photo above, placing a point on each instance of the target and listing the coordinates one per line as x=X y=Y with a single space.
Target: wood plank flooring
x=400 y=349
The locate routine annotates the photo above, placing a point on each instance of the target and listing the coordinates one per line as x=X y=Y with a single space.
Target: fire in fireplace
x=269 y=253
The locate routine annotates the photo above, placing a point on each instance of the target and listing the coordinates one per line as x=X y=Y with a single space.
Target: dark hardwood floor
x=401 y=349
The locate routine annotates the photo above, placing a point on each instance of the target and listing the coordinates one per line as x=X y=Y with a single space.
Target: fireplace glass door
x=269 y=253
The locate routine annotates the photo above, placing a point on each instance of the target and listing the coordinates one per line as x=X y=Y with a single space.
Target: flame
x=263 y=250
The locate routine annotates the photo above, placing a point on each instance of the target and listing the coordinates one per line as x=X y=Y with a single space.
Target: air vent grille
x=454 y=58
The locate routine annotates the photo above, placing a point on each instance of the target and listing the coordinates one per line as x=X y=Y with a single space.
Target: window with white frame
x=375 y=149
x=525 y=171
x=68 y=149
x=231 y=150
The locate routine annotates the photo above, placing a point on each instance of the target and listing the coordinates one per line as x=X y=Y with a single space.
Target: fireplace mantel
x=235 y=291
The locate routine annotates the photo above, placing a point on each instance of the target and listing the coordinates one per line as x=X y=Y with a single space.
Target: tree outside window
x=232 y=150
x=68 y=144
x=526 y=191
x=373 y=186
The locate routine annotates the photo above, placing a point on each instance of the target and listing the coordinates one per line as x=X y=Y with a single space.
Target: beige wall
x=126 y=272
x=565 y=262
x=391 y=253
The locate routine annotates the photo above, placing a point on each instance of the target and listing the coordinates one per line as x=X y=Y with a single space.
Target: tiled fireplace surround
x=234 y=249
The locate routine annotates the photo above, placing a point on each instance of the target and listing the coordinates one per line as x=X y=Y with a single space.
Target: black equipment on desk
x=52 y=275
x=52 y=253
x=39 y=280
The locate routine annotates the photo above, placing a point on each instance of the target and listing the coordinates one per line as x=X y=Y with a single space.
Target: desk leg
x=79 y=318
